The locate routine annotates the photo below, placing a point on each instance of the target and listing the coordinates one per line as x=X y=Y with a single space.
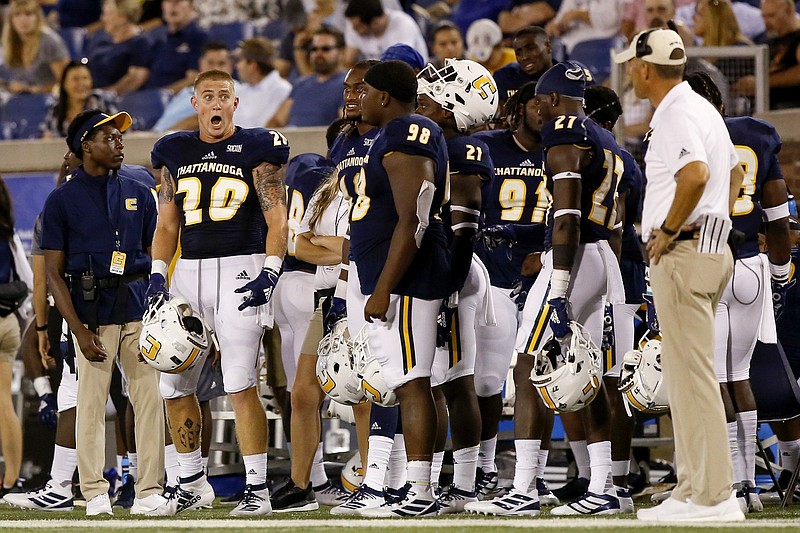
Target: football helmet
x=641 y=381
x=568 y=381
x=173 y=339
x=369 y=370
x=352 y=473
x=335 y=371
x=462 y=87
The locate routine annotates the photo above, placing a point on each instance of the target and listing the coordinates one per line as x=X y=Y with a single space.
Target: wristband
x=780 y=273
x=664 y=229
x=41 y=328
x=159 y=267
x=42 y=386
x=341 y=289
x=559 y=283
x=273 y=262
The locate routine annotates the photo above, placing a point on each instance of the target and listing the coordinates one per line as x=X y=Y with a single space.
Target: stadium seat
x=595 y=55
x=274 y=30
x=777 y=395
x=74 y=38
x=231 y=33
x=145 y=107
x=22 y=116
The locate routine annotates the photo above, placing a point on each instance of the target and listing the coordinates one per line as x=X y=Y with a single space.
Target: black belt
x=688 y=235
x=114 y=282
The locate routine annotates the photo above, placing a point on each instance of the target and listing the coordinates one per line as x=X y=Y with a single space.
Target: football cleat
x=195 y=494
x=328 y=494
x=573 y=489
x=291 y=498
x=546 y=496
x=515 y=503
x=589 y=504
x=255 y=502
x=414 y=505
x=126 y=494
x=748 y=498
x=625 y=497
x=395 y=495
x=363 y=498
x=485 y=483
x=50 y=497
x=454 y=499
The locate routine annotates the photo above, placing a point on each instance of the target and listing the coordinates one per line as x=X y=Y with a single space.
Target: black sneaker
x=126 y=494
x=291 y=499
x=574 y=489
x=16 y=488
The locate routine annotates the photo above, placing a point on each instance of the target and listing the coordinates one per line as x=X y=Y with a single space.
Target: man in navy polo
x=97 y=232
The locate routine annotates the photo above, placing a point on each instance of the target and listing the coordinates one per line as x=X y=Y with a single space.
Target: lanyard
x=113 y=194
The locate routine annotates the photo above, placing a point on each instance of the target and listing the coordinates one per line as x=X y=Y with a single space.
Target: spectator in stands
x=262 y=91
x=586 y=20
x=35 y=55
x=783 y=30
x=534 y=54
x=370 y=31
x=119 y=55
x=657 y=13
x=447 y=43
x=293 y=59
x=76 y=93
x=13 y=265
x=258 y=12
x=485 y=45
x=524 y=13
x=715 y=23
x=748 y=16
x=179 y=113
x=177 y=47
x=638 y=15
x=78 y=13
x=323 y=87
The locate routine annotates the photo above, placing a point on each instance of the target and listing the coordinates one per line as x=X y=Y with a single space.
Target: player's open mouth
x=216 y=120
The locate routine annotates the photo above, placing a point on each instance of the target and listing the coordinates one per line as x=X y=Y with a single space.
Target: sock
x=600 y=461
x=736 y=456
x=396 y=473
x=542 y=462
x=464 y=464
x=190 y=464
x=527 y=460
x=65 y=461
x=436 y=467
x=205 y=465
x=377 y=461
x=119 y=466
x=581 y=453
x=171 y=465
x=318 y=475
x=747 y=422
x=789 y=450
x=620 y=468
x=133 y=465
x=487 y=454
x=419 y=476
x=255 y=467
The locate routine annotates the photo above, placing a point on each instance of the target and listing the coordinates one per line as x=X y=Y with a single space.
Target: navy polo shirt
x=85 y=218
x=175 y=53
x=109 y=61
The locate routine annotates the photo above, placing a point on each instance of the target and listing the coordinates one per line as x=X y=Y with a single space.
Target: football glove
x=444 y=324
x=502 y=236
x=608 y=328
x=559 y=317
x=779 y=292
x=652 y=318
x=519 y=293
x=157 y=288
x=336 y=312
x=48 y=410
x=260 y=289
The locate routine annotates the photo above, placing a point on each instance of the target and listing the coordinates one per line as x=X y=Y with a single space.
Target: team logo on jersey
x=237 y=148
x=209 y=155
x=368 y=142
x=351 y=152
x=130 y=204
x=684 y=152
x=243 y=275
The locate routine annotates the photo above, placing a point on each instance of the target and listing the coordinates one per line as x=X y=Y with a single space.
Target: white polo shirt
x=686 y=128
x=401 y=28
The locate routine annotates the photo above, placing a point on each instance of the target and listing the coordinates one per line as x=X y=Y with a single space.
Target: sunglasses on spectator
x=322 y=48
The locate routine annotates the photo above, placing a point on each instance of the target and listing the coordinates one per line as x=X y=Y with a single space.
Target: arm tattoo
x=270 y=186
x=166 y=194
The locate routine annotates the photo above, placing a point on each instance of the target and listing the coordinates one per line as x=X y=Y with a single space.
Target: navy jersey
x=599 y=179
x=516 y=194
x=631 y=182
x=347 y=155
x=220 y=212
x=510 y=78
x=757 y=145
x=304 y=173
x=468 y=155
x=373 y=217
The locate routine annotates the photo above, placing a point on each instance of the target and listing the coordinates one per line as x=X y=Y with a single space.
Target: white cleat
x=51 y=497
x=515 y=503
x=255 y=502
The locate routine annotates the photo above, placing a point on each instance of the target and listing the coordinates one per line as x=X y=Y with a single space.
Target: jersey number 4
x=227 y=195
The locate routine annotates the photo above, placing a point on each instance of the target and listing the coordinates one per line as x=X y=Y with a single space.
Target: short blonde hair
x=130 y=9
x=213 y=75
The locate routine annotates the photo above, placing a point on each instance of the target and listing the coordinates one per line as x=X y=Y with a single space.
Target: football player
x=223 y=191
x=744 y=314
x=515 y=204
x=460 y=96
x=400 y=262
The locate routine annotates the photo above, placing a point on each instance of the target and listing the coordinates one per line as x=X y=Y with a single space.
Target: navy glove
x=157 y=288
x=502 y=236
x=608 y=328
x=48 y=410
x=260 y=289
x=559 y=317
x=519 y=293
x=652 y=319
x=444 y=325
x=779 y=291
x=336 y=312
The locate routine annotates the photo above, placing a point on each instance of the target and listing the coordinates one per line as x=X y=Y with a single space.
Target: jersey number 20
x=227 y=195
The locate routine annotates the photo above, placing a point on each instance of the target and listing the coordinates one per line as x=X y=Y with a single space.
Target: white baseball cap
x=659 y=46
x=482 y=36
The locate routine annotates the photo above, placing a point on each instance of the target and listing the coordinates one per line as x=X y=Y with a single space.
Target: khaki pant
x=94 y=381
x=687 y=287
x=9 y=338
